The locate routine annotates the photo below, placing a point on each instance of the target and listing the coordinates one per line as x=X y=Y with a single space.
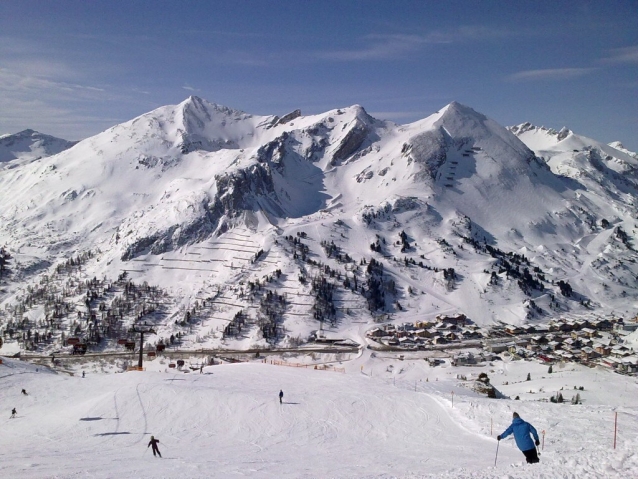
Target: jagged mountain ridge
x=29 y=145
x=443 y=201
x=604 y=170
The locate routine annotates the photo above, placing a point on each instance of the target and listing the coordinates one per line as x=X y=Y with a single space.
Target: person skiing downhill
x=13 y=413
x=522 y=431
x=281 y=396
x=153 y=442
x=24 y=392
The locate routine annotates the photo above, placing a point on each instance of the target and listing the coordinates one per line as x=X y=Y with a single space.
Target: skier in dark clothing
x=153 y=443
x=281 y=396
x=13 y=413
x=24 y=391
x=522 y=431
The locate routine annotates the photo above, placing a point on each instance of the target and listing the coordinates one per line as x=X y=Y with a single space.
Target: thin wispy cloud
x=11 y=81
x=189 y=88
x=381 y=47
x=550 y=74
x=388 y=46
x=623 y=55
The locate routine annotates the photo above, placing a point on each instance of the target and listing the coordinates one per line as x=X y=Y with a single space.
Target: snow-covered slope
x=263 y=228
x=30 y=145
x=383 y=418
x=564 y=149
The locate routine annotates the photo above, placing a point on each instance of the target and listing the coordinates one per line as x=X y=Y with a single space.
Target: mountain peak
x=186 y=187
x=27 y=132
x=456 y=108
x=31 y=144
x=199 y=105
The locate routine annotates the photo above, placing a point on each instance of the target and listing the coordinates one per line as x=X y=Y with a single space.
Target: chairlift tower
x=141 y=329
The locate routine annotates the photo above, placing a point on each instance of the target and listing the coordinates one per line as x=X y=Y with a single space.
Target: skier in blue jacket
x=522 y=431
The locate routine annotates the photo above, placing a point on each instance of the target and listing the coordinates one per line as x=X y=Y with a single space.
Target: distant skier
x=201 y=369
x=24 y=391
x=82 y=373
x=13 y=413
x=522 y=431
x=154 y=443
x=281 y=396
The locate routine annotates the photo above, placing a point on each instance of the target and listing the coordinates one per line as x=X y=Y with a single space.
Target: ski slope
x=380 y=419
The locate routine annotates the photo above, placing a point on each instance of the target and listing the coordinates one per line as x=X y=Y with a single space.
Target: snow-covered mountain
x=30 y=145
x=279 y=226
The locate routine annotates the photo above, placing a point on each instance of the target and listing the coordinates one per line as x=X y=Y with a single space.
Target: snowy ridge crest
x=457 y=212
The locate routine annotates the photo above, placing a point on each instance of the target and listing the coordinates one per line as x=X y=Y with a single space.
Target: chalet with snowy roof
x=554 y=345
x=496 y=348
x=424 y=324
x=542 y=328
x=511 y=329
x=571 y=343
x=584 y=323
x=422 y=333
x=566 y=355
x=620 y=351
x=407 y=342
x=588 y=353
x=610 y=362
x=519 y=351
x=463 y=358
x=560 y=326
x=444 y=328
x=548 y=358
x=456 y=319
x=629 y=364
x=468 y=333
x=377 y=333
x=629 y=326
x=433 y=332
x=576 y=325
x=602 y=324
x=602 y=349
x=407 y=327
x=589 y=332
x=539 y=339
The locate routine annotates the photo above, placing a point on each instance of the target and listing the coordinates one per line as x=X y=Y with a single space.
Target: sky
x=74 y=68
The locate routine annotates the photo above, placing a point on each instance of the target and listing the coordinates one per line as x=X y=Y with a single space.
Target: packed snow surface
x=381 y=418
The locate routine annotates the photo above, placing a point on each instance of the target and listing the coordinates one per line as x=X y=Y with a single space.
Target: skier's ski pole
x=497 y=444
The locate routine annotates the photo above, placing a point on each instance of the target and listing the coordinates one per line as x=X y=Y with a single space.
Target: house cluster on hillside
x=590 y=341
x=444 y=329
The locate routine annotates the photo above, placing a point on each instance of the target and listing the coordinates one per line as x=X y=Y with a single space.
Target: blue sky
x=75 y=68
